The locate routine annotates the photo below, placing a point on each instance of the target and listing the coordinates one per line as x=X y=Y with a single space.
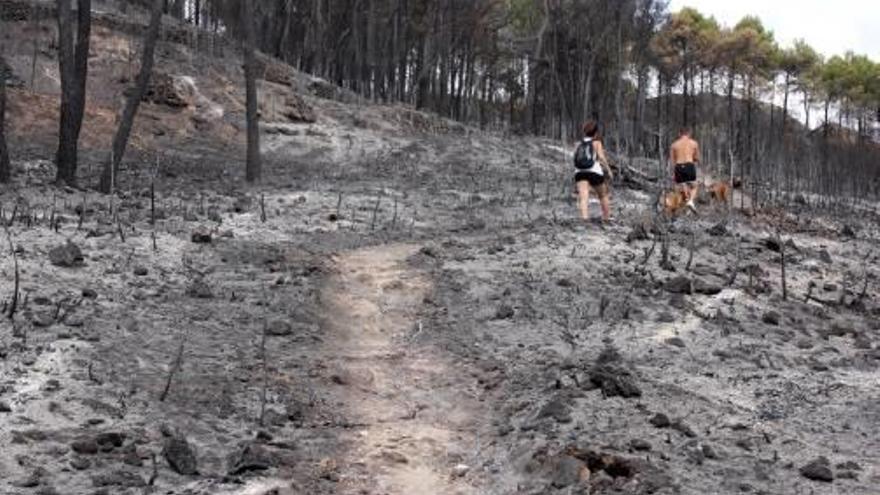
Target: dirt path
x=414 y=422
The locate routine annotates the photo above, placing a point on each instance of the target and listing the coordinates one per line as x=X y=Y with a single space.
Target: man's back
x=685 y=150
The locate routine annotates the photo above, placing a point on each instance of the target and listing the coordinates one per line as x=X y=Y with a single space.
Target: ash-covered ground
x=409 y=306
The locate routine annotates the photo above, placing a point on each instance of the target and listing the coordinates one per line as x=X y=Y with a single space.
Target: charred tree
x=254 y=167
x=73 y=61
x=5 y=167
x=123 y=132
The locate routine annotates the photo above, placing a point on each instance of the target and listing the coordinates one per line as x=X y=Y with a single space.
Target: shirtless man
x=684 y=157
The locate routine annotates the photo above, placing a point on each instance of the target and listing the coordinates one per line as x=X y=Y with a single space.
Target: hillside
x=405 y=305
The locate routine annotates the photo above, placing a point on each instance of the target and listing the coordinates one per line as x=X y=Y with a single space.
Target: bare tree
x=73 y=61
x=5 y=168
x=123 y=132
x=254 y=167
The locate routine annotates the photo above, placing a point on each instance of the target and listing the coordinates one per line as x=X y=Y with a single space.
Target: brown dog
x=718 y=192
x=675 y=201
x=672 y=202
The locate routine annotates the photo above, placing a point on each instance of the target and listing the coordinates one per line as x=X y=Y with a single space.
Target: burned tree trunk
x=5 y=168
x=254 y=167
x=73 y=63
x=120 y=140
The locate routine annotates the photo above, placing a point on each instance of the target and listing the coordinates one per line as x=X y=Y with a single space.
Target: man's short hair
x=684 y=130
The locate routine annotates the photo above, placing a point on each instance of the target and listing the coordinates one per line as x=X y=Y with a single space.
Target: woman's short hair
x=591 y=129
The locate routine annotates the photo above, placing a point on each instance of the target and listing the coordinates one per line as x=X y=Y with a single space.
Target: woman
x=592 y=172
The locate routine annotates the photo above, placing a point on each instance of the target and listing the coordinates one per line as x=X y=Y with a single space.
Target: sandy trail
x=415 y=421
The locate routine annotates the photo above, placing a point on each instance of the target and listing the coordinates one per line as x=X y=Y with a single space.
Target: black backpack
x=584 y=156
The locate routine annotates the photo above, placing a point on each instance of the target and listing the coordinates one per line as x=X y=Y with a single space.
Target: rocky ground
x=409 y=306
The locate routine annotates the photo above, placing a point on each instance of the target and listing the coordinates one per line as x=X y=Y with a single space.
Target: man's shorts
x=685 y=173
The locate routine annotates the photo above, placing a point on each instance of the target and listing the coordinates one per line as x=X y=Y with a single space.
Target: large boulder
x=181 y=456
x=251 y=457
x=67 y=255
x=169 y=90
x=297 y=110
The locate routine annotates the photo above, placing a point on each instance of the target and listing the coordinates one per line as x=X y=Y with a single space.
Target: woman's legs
x=604 y=201
x=583 y=188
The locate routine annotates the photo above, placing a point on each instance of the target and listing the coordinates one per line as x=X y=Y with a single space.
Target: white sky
x=831 y=27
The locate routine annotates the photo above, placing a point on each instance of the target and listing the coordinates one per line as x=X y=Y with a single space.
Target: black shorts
x=685 y=172
x=594 y=179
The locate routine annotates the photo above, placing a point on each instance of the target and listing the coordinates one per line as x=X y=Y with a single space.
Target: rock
x=242 y=204
x=710 y=453
x=660 y=420
x=343 y=377
x=695 y=455
x=279 y=328
x=272 y=417
x=665 y=317
x=169 y=90
x=557 y=409
x=825 y=257
x=85 y=446
x=201 y=236
x=295 y=410
x=717 y=230
x=862 y=341
x=460 y=470
x=676 y=342
x=297 y=110
x=818 y=469
x=119 y=478
x=849 y=465
x=772 y=243
x=67 y=255
x=429 y=251
x=771 y=318
x=51 y=385
x=42 y=319
x=848 y=231
x=89 y=293
x=639 y=445
x=199 y=289
x=141 y=271
x=80 y=463
x=706 y=288
x=504 y=312
x=684 y=429
x=74 y=321
x=180 y=456
x=679 y=285
x=251 y=457
x=565 y=283
x=32 y=481
x=131 y=457
x=615 y=381
x=112 y=439
x=568 y=471
x=395 y=457
x=4 y=407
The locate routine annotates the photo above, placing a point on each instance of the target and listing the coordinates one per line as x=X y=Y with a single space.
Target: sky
x=831 y=27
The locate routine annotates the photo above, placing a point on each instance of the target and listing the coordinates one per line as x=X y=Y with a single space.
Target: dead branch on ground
x=175 y=367
x=13 y=306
